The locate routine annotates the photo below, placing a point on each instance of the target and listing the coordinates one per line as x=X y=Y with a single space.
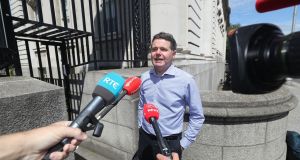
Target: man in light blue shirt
x=170 y=89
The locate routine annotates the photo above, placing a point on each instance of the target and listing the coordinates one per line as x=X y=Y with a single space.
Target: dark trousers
x=148 y=146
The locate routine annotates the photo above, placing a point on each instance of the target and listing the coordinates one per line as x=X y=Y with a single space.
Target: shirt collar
x=169 y=71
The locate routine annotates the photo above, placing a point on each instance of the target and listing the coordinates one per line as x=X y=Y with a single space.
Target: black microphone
x=151 y=114
x=105 y=92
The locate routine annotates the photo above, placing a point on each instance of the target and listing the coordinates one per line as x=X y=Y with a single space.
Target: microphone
x=131 y=86
x=105 y=92
x=151 y=115
x=270 y=5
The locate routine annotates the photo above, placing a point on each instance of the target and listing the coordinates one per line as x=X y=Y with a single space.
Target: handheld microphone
x=105 y=92
x=131 y=86
x=151 y=115
x=270 y=5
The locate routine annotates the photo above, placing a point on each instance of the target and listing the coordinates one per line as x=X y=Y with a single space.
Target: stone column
x=248 y=127
x=170 y=16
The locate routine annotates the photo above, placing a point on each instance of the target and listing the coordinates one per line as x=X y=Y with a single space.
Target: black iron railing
x=57 y=41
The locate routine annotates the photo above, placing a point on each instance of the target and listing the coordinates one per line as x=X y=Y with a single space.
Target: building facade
x=199 y=27
x=119 y=40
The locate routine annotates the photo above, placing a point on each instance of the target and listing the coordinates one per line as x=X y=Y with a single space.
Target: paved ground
x=294 y=115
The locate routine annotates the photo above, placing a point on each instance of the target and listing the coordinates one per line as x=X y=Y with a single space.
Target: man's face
x=161 y=55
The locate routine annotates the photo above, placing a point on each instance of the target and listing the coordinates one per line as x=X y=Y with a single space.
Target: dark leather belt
x=153 y=137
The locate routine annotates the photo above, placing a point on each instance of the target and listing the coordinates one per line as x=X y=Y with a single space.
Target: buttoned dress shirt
x=171 y=93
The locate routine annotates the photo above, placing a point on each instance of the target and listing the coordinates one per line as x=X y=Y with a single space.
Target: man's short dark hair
x=166 y=36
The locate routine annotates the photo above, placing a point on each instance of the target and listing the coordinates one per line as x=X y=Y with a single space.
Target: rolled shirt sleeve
x=196 y=117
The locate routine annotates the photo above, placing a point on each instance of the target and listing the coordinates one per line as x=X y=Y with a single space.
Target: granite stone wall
x=27 y=103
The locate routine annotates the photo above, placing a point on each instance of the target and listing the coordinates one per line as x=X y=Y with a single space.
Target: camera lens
x=265 y=63
x=261 y=58
x=291 y=48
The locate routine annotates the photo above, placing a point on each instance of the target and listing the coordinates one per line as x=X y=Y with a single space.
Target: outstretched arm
x=34 y=144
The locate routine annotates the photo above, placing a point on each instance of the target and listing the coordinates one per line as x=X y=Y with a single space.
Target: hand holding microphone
x=105 y=92
x=175 y=156
x=151 y=114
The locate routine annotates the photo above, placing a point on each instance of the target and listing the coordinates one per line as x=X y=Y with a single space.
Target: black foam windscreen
x=107 y=96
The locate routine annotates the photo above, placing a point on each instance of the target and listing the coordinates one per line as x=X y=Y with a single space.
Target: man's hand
x=162 y=157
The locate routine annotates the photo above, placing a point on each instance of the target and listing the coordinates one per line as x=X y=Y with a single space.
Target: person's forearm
x=12 y=146
x=33 y=144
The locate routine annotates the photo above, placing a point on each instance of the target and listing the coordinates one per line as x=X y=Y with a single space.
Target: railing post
x=8 y=42
x=141 y=31
x=66 y=73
